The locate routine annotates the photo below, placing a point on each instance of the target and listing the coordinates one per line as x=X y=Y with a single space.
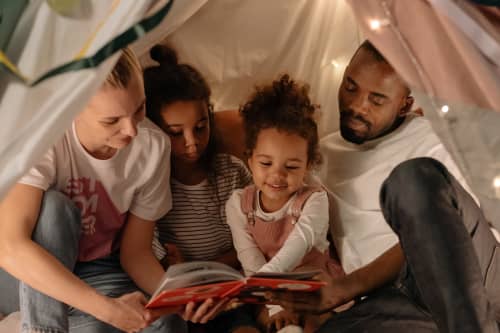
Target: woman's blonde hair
x=127 y=65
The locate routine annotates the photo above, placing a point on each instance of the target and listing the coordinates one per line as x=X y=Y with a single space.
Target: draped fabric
x=447 y=50
x=239 y=44
x=39 y=38
x=449 y=53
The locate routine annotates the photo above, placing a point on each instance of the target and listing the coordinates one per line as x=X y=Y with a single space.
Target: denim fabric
x=448 y=246
x=229 y=321
x=58 y=231
x=451 y=279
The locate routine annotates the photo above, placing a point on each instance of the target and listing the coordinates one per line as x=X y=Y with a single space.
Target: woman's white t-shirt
x=135 y=180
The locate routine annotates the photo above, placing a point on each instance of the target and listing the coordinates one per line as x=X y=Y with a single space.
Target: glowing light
x=496 y=182
x=375 y=24
x=445 y=108
x=335 y=64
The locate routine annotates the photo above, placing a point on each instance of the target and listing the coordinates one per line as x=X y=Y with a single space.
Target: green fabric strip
x=130 y=35
x=10 y=11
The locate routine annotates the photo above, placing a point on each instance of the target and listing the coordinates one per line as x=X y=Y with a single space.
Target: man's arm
x=378 y=273
x=29 y=262
x=342 y=290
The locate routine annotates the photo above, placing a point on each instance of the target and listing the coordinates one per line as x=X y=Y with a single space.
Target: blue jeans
x=58 y=231
x=451 y=279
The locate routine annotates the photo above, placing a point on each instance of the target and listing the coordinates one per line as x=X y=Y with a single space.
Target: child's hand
x=204 y=311
x=173 y=256
x=282 y=319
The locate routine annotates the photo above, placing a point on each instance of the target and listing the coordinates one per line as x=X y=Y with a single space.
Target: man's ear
x=406 y=108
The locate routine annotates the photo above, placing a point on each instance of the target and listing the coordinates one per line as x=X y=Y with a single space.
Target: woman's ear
x=406 y=108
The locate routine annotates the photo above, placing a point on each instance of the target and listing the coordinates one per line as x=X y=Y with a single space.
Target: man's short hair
x=368 y=46
x=127 y=65
x=376 y=55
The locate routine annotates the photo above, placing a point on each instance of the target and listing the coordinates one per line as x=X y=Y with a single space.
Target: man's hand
x=203 y=312
x=337 y=292
x=344 y=289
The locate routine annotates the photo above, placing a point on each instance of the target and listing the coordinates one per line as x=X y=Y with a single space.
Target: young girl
x=178 y=101
x=280 y=224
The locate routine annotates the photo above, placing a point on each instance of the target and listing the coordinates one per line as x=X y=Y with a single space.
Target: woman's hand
x=126 y=312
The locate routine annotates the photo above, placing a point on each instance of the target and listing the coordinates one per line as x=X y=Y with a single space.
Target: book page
x=305 y=275
x=255 y=288
x=196 y=273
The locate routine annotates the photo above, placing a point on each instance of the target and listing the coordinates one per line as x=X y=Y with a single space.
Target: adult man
x=443 y=273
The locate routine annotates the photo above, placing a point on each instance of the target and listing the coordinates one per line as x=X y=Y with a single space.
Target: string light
x=496 y=182
x=377 y=24
x=445 y=109
x=374 y=24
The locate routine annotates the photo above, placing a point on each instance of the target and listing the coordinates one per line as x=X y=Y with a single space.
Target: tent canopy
x=447 y=50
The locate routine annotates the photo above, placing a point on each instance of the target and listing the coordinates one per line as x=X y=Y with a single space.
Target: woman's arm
x=139 y=262
x=29 y=262
x=136 y=254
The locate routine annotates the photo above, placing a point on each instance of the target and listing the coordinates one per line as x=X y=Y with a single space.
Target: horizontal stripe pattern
x=197 y=221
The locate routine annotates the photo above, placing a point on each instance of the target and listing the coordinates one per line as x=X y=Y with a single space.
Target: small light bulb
x=335 y=64
x=375 y=24
x=496 y=182
x=445 y=108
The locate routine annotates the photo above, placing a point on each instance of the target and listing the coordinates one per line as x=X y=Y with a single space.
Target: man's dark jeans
x=451 y=279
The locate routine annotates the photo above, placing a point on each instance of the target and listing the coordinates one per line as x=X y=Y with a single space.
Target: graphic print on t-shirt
x=101 y=220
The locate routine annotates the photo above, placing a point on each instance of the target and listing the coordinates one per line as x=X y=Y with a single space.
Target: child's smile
x=279 y=165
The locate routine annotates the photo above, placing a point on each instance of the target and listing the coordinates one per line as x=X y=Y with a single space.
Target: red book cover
x=199 y=280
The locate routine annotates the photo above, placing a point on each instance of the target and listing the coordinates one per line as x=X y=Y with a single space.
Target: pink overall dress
x=270 y=236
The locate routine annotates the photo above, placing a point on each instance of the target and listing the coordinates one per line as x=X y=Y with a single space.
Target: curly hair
x=284 y=105
x=170 y=82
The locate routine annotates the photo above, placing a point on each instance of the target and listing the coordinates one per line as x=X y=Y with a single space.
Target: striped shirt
x=196 y=224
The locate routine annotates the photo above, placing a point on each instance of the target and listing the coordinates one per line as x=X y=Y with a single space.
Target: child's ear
x=249 y=163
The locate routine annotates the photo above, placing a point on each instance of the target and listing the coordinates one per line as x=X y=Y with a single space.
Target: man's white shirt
x=355 y=173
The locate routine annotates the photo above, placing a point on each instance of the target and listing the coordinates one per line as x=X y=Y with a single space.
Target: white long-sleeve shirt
x=310 y=231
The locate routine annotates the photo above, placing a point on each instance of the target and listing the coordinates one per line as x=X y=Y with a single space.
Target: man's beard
x=348 y=133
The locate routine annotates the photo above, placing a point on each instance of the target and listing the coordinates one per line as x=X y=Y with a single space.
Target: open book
x=199 y=280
